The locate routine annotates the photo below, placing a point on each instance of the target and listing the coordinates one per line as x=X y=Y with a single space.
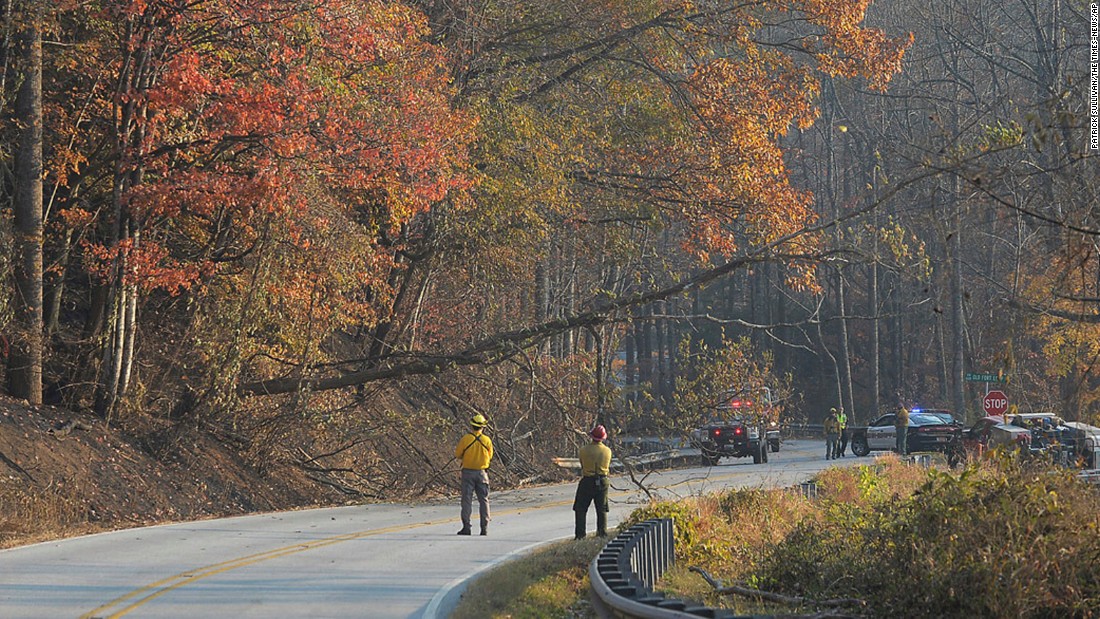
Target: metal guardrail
x=805 y=430
x=1091 y=476
x=623 y=574
x=646 y=459
x=647 y=450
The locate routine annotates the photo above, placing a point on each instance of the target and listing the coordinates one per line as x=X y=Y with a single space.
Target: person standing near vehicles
x=595 y=460
x=832 y=434
x=901 y=428
x=843 y=439
x=475 y=450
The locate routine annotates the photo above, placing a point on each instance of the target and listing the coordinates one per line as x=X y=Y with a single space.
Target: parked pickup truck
x=1085 y=441
x=735 y=437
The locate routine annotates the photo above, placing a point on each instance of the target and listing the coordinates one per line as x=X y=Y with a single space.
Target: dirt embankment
x=64 y=473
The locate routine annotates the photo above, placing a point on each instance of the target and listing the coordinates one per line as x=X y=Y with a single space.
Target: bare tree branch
x=782 y=599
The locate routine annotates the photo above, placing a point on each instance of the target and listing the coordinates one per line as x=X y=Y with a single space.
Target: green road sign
x=984 y=378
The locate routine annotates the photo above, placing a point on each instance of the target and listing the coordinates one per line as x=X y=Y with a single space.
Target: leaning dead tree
x=505 y=345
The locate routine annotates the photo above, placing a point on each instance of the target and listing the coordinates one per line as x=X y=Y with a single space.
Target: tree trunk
x=874 y=304
x=645 y=348
x=412 y=323
x=875 y=345
x=958 y=315
x=569 y=294
x=129 y=327
x=27 y=350
x=6 y=50
x=116 y=297
x=782 y=353
x=630 y=370
x=122 y=293
x=401 y=279
x=898 y=346
x=832 y=362
x=844 y=363
x=55 y=284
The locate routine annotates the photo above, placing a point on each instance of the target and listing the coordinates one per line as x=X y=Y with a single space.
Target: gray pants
x=475 y=482
x=902 y=439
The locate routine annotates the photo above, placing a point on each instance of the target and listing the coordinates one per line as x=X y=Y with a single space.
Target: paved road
x=363 y=561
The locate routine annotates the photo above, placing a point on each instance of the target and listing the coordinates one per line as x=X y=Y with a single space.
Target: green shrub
x=1000 y=541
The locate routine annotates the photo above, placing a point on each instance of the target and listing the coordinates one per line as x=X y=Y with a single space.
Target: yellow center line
x=156 y=589
x=160 y=587
x=141 y=596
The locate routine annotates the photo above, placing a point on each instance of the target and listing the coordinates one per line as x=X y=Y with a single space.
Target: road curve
x=362 y=561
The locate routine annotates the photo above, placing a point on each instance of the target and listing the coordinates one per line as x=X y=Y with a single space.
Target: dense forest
x=330 y=231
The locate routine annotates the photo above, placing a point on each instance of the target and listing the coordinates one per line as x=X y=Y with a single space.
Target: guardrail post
x=624 y=573
x=668 y=551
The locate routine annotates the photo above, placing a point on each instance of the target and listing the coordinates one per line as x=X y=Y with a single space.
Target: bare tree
x=25 y=364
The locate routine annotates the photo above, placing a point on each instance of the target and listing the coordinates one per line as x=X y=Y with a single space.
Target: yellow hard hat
x=478 y=421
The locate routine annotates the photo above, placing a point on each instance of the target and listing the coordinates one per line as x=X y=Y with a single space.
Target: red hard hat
x=598 y=433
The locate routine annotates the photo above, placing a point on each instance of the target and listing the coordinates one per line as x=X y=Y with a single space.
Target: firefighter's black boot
x=581 y=522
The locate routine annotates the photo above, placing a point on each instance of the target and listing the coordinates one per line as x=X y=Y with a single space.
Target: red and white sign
x=995 y=402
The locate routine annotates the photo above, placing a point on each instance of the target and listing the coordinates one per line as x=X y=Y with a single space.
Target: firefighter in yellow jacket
x=832 y=435
x=595 y=465
x=475 y=450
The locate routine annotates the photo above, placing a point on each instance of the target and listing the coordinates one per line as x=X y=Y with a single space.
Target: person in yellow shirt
x=595 y=465
x=832 y=434
x=475 y=450
x=843 y=440
x=901 y=428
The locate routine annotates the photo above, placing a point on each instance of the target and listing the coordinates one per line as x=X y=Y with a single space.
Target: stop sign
x=995 y=402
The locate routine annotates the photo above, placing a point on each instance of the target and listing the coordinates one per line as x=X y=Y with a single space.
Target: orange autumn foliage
x=254 y=116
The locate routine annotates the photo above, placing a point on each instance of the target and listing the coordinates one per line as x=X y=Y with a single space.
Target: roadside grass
x=550 y=582
x=29 y=517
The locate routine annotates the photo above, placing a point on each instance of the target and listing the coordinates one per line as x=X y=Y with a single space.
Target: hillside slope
x=64 y=473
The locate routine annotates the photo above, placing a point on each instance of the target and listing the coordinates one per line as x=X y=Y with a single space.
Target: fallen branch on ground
x=778 y=598
x=15 y=466
x=73 y=424
x=336 y=486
